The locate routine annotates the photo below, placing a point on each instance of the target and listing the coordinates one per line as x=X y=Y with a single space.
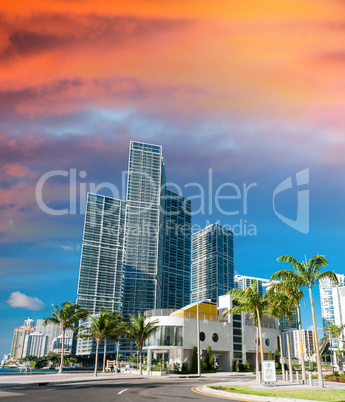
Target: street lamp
x=331 y=350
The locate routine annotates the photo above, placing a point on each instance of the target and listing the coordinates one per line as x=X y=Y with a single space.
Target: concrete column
x=149 y=361
x=297 y=379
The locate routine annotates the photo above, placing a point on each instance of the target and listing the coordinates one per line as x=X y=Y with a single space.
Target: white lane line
x=119 y=393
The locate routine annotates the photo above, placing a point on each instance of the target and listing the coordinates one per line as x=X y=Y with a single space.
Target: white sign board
x=269 y=372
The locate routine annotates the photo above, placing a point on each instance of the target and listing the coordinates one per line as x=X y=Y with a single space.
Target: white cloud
x=68 y=248
x=18 y=299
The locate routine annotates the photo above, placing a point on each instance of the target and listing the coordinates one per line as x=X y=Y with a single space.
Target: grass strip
x=329 y=395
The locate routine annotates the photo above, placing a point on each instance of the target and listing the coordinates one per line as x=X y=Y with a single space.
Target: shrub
x=234 y=366
x=243 y=367
x=277 y=356
x=209 y=358
x=195 y=360
x=270 y=355
x=176 y=367
x=204 y=366
x=184 y=366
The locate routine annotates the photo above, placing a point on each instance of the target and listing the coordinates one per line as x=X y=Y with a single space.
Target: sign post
x=269 y=377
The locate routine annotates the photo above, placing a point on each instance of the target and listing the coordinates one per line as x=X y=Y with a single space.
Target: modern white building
x=35 y=344
x=5 y=359
x=333 y=300
x=333 y=304
x=308 y=344
x=52 y=331
x=56 y=346
x=233 y=336
x=243 y=281
x=213 y=262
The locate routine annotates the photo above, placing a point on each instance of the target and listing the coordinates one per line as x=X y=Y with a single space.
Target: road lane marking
x=219 y=397
x=119 y=393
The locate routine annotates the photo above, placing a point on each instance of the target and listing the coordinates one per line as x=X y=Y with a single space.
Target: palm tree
x=113 y=330
x=141 y=329
x=97 y=331
x=294 y=292
x=336 y=332
x=67 y=316
x=250 y=301
x=288 y=309
x=307 y=274
x=276 y=308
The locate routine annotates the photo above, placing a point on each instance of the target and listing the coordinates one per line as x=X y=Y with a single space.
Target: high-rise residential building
x=333 y=302
x=307 y=342
x=101 y=265
x=176 y=280
x=56 y=346
x=52 y=331
x=243 y=281
x=144 y=231
x=262 y=285
x=136 y=253
x=35 y=344
x=213 y=262
x=18 y=340
x=29 y=321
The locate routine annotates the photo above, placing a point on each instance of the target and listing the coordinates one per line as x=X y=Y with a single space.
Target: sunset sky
x=252 y=90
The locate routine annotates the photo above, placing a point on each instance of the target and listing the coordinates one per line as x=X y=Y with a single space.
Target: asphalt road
x=132 y=390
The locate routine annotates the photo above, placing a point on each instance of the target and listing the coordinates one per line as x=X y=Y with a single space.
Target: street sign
x=269 y=377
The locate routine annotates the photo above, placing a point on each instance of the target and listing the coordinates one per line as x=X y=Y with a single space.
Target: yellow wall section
x=206 y=312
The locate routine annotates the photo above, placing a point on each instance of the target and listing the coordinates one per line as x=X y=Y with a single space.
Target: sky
x=248 y=93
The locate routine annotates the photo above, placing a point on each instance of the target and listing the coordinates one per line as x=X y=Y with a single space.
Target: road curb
x=244 y=397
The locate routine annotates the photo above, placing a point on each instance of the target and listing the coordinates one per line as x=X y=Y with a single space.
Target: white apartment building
x=307 y=342
x=52 y=331
x=35 y=344
x=333 y=302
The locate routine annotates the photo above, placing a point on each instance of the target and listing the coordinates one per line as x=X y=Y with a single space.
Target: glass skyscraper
x=101 y=270
x=176 y=279
x=213 y=263
x=136 y=254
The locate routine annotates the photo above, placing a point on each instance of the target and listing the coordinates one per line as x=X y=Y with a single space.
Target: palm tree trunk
x=141 y=366
x=289 y=350
x=304 y=377
x=104 y=354
x=260 y=335
x=96 y=358
x=281 y=352
x=62 y=349
x=257 y=369
x=317 y=350
x=340 y=358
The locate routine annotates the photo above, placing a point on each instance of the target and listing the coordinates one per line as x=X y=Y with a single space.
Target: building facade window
x=215 y=337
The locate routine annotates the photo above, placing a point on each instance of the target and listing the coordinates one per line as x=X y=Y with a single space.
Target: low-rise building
x=231 y=337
